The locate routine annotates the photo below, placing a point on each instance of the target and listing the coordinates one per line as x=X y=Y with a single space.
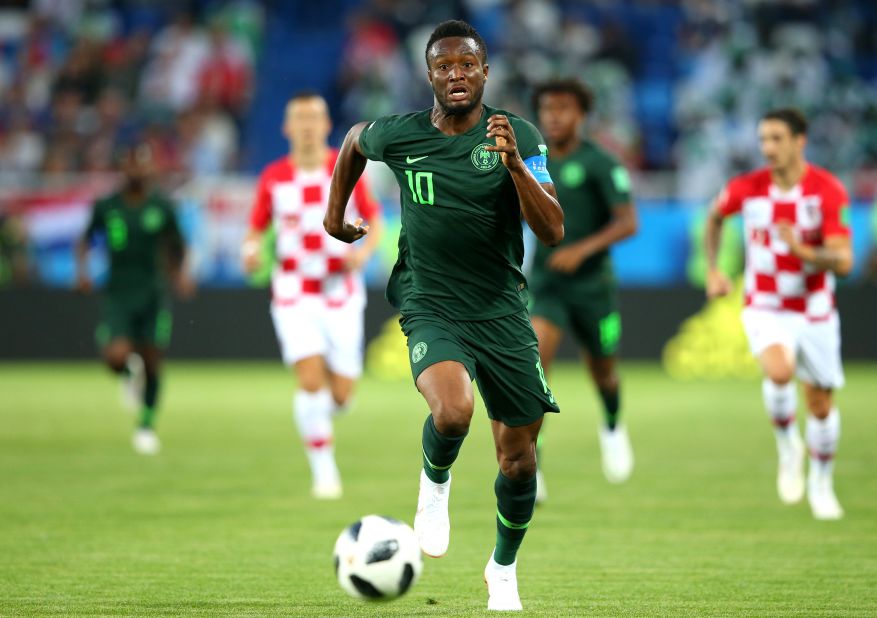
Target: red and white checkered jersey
x=309 y=261
x=774 y=278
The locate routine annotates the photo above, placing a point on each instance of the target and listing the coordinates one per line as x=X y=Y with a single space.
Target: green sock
x=439 y=452
x=611 y=406
x=514 y=510
x=147 y=417
x=150 y=397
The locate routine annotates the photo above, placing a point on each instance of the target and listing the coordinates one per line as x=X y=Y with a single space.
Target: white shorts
x=815 y=344
x=309 y=328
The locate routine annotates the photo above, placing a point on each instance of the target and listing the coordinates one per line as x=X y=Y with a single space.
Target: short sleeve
x=835 y=211
x=97 y=221
x=533 y=150
x=366 y=204
x=260 y=215
x=614 y=184
x=730 y=200
x=374 y=138
x=530 y=141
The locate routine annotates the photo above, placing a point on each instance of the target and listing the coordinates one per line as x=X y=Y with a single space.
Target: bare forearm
x=348 y=169
x=622 y=225
x=81 y=254
x=540 y=208
x=711 y=239
x=838 y=260
x=373 y=238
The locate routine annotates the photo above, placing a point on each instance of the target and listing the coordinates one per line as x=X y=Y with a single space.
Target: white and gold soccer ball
x=377 y=558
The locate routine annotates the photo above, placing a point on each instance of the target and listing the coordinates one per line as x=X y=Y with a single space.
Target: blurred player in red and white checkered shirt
x=318 y=296
x=797 y=240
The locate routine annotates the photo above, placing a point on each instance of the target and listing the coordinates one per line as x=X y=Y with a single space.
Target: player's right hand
x=83 y=284
x=348 y=232
x=251 y=254
x=717 y=284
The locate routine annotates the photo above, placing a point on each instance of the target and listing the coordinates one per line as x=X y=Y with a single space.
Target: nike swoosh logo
x=411 y=159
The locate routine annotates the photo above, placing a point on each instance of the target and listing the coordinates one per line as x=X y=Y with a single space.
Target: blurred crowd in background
x=679 y=86
x=81 y=78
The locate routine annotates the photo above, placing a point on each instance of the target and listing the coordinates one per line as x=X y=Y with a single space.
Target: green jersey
x=135 y=236
x=589 y=184
x=460 y=247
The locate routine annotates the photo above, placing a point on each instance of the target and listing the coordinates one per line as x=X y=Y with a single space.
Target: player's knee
x=819 y=403
x=780 y=374
x=518 y=465
x=606 y=381
x=452 y=416
x=116 y=358
x=310 y=382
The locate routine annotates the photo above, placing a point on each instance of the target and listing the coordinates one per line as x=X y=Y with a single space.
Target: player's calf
x=823 y=435
x=781 y=402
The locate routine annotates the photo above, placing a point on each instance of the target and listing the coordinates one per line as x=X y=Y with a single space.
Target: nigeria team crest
x=419 y=352
x=483 y=159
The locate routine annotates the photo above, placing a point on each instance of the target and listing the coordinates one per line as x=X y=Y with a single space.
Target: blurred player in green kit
x=573 y=285
x=146 y=252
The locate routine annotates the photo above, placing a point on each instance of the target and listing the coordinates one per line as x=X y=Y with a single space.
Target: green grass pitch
x=221 y=523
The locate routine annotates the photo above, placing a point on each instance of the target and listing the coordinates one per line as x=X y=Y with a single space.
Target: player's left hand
x=499 y=127
x=787 y=235
x=185 y=285
x=567 y=259
x=349 y=232
x=354 y=261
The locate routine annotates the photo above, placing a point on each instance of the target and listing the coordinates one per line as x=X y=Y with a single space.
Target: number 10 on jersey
x=418 y=182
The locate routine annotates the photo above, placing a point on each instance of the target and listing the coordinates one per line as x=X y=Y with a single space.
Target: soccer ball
x=377 y=558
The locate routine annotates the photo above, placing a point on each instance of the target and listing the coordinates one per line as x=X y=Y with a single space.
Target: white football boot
x=820 y=493
x=541 y=490
x=502 y=586
x=327 y=490
x=326 y=483
x=431 y=523
x=145 y=442
x=617 y=454
x=790 y=471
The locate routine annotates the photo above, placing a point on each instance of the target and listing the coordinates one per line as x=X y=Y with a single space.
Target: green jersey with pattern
x=136 y=235
x=460 y=247
x=589 y=184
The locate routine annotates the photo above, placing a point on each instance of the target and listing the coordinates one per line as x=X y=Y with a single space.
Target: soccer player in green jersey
x=142 y=238
x=467 y=174
x=573 y=284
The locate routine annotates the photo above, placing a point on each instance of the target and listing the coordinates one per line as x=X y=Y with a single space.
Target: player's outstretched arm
x=622 y=225
x=83 y=281
x=835 y=254
x=348 y=168
x=717 y=284
x=539 y=203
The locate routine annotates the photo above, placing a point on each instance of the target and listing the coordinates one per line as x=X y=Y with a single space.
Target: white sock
x=313 y=417
x=822 y=438
x=781 y=401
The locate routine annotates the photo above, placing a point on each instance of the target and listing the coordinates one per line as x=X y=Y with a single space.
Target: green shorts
x=501 y=355
x=591 y=315
x=147 y=321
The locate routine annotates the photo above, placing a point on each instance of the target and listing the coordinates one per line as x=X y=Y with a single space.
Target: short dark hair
x=794 y=119
x=306 y=93
x=582 y=93
x=456 y=27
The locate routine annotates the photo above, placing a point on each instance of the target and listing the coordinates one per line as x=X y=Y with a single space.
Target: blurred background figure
x=573 y=285
x=146 y=251
x=318 y=295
